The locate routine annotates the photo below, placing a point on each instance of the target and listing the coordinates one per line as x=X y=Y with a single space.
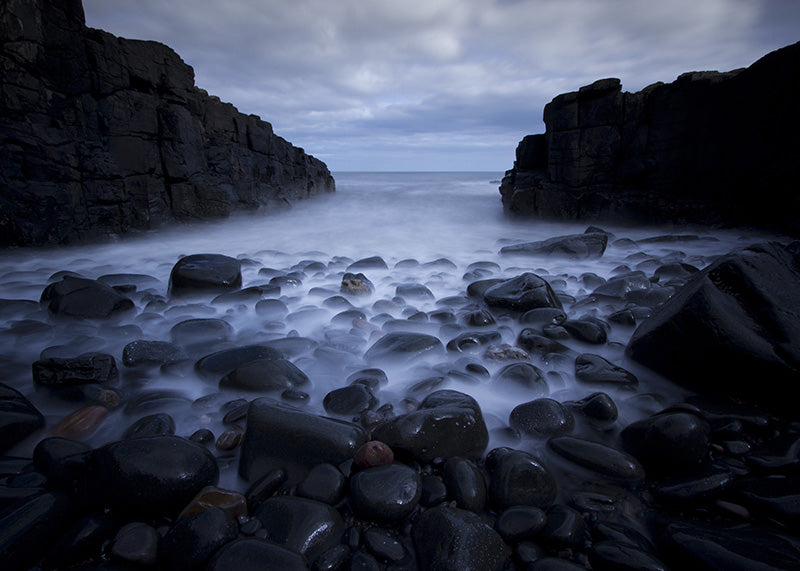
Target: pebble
x=385 y=493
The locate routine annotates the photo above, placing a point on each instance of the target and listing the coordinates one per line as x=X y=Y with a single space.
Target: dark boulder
x=58 y=373
x=404 y=347
x=143 y=352
x=223 y=362
x=265 y=375
x=200 y=273
x=250 y=554
x=595 y=370
x=465 y=483
x=733 y=329
x=447 y=423
x=193 y=539
x=281 y=436
x=385 y=493
x=574 y=246
x=519 y=479
x=451 y=539
x=522 y=378
x=522 y=293
x=18 y=417
x=670 y=442
x=541 y=418
x=82 y=298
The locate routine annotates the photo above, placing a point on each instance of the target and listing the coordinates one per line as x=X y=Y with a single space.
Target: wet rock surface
x=418 y=424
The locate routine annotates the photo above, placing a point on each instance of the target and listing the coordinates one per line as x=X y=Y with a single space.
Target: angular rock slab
x=452 y=539
x=280 y=436
x=82 y=298
x=522 y=293
x=734 y=328
x=573 y=246
x=201 y=273
x=18 y=417
x=447 y=423
x=150 y=476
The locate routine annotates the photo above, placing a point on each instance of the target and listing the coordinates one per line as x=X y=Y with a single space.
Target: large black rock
x=447 y=423
x=82 y=298
x=18 y=417
x=522 y=293
x=205 y=273
x=281 y=436
x=574 y=246
x=733 y=329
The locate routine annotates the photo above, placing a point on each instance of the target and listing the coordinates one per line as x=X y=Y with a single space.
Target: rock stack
x=103 y=135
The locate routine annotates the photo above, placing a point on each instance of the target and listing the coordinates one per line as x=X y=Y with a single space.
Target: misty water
x=441 y=230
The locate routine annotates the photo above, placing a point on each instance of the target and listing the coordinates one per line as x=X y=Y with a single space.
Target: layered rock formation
x=100 y=135
x=710 y=147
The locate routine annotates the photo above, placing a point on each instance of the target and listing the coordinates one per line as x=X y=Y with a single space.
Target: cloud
x=366 y=85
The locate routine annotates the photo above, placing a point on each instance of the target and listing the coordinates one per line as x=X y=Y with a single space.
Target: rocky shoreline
x=118 y=462
x=103 y=135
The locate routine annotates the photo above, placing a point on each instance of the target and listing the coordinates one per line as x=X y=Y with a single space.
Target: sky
x=437 y=85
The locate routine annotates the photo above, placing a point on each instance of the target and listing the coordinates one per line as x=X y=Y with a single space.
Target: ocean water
x=429 y=228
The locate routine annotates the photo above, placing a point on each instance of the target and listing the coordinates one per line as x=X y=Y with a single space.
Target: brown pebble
x=212 y=497
x=373 y=453
x=229 y=439
x=80 y=423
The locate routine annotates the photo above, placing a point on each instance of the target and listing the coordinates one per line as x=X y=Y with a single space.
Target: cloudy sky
x=437 y=84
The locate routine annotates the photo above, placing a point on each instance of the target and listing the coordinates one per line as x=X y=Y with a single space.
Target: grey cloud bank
x=437 y=84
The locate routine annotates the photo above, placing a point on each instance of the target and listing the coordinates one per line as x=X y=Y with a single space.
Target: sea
x=442 y=230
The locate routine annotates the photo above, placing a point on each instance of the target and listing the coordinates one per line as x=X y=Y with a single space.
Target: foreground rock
x=733 y=329
x=671 y=152
x=82 y=298
x=103 y=135
x=200 y=273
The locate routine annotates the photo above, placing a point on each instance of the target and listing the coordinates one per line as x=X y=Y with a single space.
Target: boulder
x=264 y=375
x=58 y=373
x=574 y=246
x=82 y=298
x=522 y=293
x=404 y=347
x=200 y=273
x=733 y=329
x=18 y=417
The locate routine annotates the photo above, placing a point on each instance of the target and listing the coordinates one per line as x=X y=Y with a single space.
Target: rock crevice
x=709 y=147
x=101 y=135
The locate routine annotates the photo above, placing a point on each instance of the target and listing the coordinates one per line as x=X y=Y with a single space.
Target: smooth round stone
x=519 y=479
x=451 y=538
x=304 y=526
x=18 y=417
x=53 y=449
x=473 y=340
x=256 y=555
x=232 y=502
x=151 y=353
x=597 y=406
x=695 y=489
x=383 y=546
x=413 y=291
x=295 y=396
x=193 y=539
x=82 y=298
x=623 y=317
x=373 y=453
x=621 y=286
x=363 y=561
x=349 y=401
x=594 y=369
x=526 y=552
x=202 y=436
x=265 y=375
x=80 y=423
x=614 y=555
x=175 y=471
x=201 y=330
x=465 y=483
x=543 y=316
x=564 y=527
x=325 y=483
x=669 y=442
x=385 y=493
x=223 y=362
x=434 y=492
x=159 y=424
x=137 y=543
x=371 y=263
x=586 y=331
x=479 y=318
x=333 y=559
x=271 y=309
x=56 y=372
x=205 y=273
x=477 y=288
x=541 y=418
x=522 y=377
x=598 y=458
x=519 y=522
x=522 y=293
x=264 y=488
x=404 y=347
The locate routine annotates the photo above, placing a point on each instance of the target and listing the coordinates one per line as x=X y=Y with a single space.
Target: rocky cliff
x=100 y=135
x=710 y=148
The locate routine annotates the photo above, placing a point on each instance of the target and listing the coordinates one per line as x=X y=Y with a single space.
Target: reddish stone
x=373 y=453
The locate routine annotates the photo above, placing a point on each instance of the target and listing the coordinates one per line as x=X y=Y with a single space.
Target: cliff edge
x=710 y=147
x=101 y=135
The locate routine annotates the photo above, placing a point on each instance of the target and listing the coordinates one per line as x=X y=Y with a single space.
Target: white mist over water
x=427 y=217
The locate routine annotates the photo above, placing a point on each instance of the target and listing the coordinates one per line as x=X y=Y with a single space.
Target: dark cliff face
x=100 y=135
x=710 y=147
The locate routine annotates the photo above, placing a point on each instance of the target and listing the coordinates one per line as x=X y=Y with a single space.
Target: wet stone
x=542 y=418
x=776 y=497
x=594 y=369
x=201 y=330
x=519 y=522
x=325 y=483
x=523 y=293
x=193 y=539
x=371 y=263
x=159 y=424
x=229 y=440
x=519 y=479
x=383 y=546
x=137 y=543
x=200 y=273
x=479 y=318
x=27 y=529
x=693 y=489
x=620 y=287
x=465 y=484
x=82 y=298
x=333 y=559
x=586 y=331
x=373 y=453
x=573 y=246
x=363 y=561
x=385 y=493
x=82 y=541
x=273 y=309
x=598 y=458
x=522 y=377
x=450 y=538
x=225 y=361
x=564 y=527
x=307 y=527
x=51 y=450
x=151 y=353
x=59 y=373
x=264 y=487
x=505 y=352
x=18 y=417
x=349 y=401
x=447 y=423
x=231 y=502
x=404 y=347
x=413 y=291
x=613 y=555
x=265 y=375
x=81 y=423
x=434 y=491
x=597 y=406
x=251 y=554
